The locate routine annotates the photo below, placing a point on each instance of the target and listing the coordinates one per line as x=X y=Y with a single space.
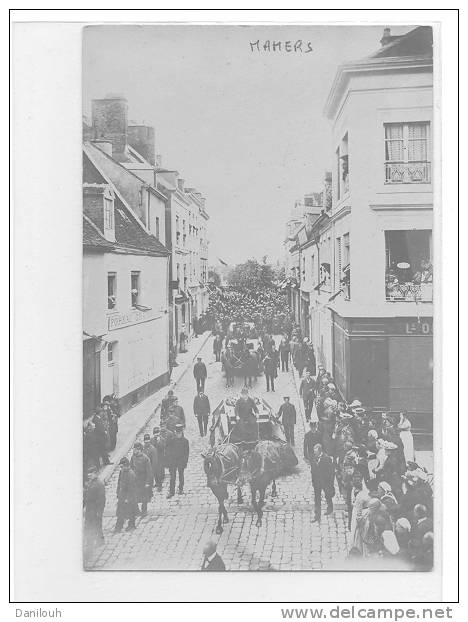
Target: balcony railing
x=409 y=292
x=407 y=172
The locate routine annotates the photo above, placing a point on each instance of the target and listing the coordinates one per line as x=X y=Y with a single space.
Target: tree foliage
x=252 y=274
x=213 y=277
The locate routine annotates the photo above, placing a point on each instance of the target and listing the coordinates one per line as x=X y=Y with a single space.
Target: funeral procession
x=258 y=386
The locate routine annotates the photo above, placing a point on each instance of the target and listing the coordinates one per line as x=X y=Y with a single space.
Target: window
x=407 y=153
x=338 y=265
x=135 y=288
x=408 y=275
x=303 y=269
x=346 y=269
x=178 y=272
x=342 y=168
x=108 y=214
x=111 y=352
x=111 y=290
x=157 y=227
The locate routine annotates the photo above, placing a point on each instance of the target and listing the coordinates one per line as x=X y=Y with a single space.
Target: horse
x=222 y=466
x=263 y=465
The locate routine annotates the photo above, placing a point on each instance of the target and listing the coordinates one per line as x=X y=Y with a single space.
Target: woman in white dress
x=404 y=425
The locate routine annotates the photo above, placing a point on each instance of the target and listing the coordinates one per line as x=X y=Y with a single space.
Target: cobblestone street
x=172 y=536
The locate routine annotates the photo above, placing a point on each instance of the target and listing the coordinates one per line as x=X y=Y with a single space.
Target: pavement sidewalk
x=135 y=420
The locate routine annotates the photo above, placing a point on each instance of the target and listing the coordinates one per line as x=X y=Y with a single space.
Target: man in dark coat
x=311 y=363
x=323 y=478
x=311 y=438
x=177 y=455
x=284 y=349
x=101 y=434
x=112 y=424
x=212 y=562
x=90 y=448
x=201 y=410
x=150 y=450
x=307 y=392
x=94 y=502
x=270 y=366
x=126 y=497
x=217 y=347
x=176 y=411
x=158 y=443
x=200 y=374
x=166 y=404
x=141 y=466
x=287 y=414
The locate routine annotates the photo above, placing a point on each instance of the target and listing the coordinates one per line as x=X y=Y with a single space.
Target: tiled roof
x=129 y=234
x=92 y=237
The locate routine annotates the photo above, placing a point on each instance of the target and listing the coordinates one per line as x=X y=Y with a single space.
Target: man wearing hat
x=177 y=455
x=323 y=476
x=126 y=497
x=200 y=373
x=307 y=392
x=311 y=438
x=201 y=410
x=158 y=443
x=141 y=466
x=150 y=451
x=94 y=502
x=270 y=366
x=287 y=414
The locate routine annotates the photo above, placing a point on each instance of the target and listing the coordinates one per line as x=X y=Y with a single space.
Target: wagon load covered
x=246 y=420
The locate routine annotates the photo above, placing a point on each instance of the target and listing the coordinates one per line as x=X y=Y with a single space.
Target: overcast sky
x=244 y=127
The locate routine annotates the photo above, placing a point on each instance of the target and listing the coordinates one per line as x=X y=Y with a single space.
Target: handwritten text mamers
x=281 y=46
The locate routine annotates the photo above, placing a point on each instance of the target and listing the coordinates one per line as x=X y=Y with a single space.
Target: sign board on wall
x=120 y=320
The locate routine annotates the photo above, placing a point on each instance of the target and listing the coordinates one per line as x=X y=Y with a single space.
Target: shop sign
x=120 y=320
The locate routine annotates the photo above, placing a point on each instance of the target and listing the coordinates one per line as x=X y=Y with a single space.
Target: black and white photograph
x=259 y=283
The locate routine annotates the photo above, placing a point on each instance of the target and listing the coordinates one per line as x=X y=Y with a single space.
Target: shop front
x=386 y=363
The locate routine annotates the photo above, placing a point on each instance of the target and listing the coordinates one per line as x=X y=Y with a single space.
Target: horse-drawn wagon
x=246 y=450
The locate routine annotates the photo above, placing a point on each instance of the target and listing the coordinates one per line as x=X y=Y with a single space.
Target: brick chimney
x=141 y=138
x=110 y=122
x=180 y=183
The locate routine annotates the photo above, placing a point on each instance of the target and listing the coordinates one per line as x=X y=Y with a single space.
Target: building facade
x=125 y=301
x=174 y=214
x=368 y=257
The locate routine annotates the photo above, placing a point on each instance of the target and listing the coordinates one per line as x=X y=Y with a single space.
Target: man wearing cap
x=200 y=374
x=101 y=434
x=158 y=443
x=311 y=438
x=177 y=455
x=307 y=392
x=150 y=451
x=94 y=502
x=270 y=366
x=323 y=476
x=141 y=466
x=201 y=410
x=166 y=404
x=126 y=497
x=287 y=414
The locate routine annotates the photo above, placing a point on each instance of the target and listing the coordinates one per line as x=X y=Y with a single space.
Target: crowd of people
x=266 y=308
x=370 y=455
x=367 y=454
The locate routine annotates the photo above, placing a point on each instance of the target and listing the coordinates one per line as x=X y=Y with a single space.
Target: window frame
x=112 y=275
x=137 y=274
x=405 y=161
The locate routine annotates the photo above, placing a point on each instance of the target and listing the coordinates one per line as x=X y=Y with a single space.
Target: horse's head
x=212 y=467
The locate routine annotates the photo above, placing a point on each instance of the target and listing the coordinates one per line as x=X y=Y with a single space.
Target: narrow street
x=172 y=535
